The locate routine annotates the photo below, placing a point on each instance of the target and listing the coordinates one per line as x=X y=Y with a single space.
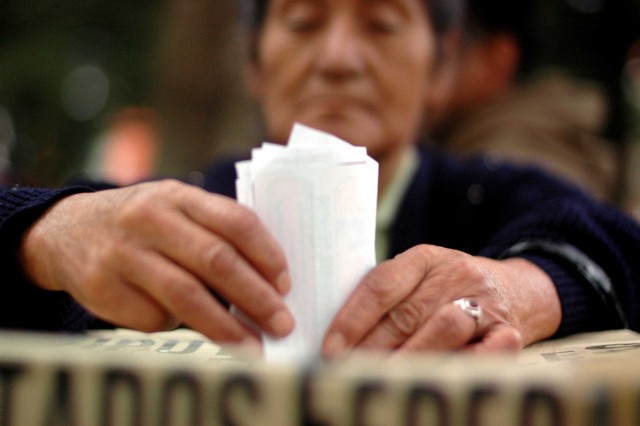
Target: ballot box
x=123 y=377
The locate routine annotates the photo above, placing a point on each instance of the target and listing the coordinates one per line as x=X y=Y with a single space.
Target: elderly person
x=535 y=256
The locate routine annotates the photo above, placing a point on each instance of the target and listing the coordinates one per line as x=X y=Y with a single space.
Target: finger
x=381 y=289
x=210 y=258
x=401 y=322
x=242 y=228
x=223 y=268
x=185 y=297
x=449 y=328
x=122 y=304
x=499 y=338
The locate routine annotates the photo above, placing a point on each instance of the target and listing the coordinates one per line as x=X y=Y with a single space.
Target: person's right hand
x=146 y=257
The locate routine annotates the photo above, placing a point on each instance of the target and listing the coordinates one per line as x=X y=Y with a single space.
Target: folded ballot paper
x=317 y=195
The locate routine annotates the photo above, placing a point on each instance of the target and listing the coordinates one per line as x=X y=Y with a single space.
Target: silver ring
x=470 y=307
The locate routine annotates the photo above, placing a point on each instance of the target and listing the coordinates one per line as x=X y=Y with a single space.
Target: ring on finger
x=470 y=307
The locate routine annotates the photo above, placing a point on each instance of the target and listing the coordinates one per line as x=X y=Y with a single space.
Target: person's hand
x=147 y=256
x=408 y=304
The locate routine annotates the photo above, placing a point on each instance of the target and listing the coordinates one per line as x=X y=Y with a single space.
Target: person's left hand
x=407 y=304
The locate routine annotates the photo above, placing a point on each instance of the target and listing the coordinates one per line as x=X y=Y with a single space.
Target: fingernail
x=335 y=344
x=281 y=323
x=172 y=323
x=284 y=283
x=251 y=344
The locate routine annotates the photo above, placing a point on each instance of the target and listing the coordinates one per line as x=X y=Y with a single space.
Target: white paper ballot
x=318 y=196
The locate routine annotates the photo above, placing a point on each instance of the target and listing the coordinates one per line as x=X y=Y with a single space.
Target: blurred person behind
x=127 y=149
x=499 y=104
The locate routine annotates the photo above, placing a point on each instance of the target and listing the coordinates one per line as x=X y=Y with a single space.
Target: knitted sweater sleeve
x=492 y=209
x=588 y=248
x=22 y=304
x=604 y=241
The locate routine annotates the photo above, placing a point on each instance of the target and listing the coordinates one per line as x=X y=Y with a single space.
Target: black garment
x=479 y=207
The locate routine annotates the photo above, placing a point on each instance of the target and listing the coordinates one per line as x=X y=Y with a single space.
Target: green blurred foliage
x=41 y=43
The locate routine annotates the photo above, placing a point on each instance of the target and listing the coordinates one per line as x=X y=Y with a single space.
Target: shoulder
x=493 y=172
x=220 y=176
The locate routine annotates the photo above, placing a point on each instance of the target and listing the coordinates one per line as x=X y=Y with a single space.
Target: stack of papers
x=317 y=195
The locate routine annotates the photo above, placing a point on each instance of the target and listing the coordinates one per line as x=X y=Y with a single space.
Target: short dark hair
x=485 y=17
x=445 y=14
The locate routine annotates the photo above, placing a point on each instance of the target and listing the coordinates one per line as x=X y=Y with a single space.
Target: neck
x=389 y=163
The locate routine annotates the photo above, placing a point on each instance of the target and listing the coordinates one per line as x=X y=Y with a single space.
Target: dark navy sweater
x=479 y=206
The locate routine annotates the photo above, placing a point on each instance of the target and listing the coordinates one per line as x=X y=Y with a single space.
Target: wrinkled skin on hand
x=147 y=256
x=405 y=304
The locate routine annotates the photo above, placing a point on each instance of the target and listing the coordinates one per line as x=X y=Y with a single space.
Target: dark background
x=66 y=65
x=42 y=43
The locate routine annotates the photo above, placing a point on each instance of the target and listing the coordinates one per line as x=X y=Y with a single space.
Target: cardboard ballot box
x=123 y=377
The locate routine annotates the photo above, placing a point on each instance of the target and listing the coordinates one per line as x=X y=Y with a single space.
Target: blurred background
x=77 y=75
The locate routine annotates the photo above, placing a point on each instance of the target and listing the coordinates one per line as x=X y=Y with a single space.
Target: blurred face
x=360 y=69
